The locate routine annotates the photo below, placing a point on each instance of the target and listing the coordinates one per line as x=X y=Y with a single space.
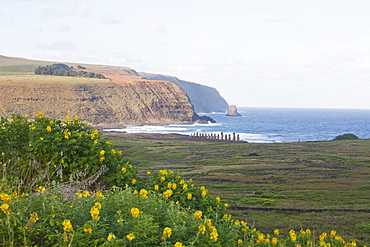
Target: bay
x=269 y=125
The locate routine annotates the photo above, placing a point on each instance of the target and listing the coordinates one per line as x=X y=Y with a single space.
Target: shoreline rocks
x=232 y=111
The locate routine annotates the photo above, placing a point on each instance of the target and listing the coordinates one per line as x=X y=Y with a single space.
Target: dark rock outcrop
x=232 y=111
x=204 y=99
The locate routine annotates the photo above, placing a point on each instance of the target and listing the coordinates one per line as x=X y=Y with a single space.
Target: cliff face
x=123 y=98
x=205 y=99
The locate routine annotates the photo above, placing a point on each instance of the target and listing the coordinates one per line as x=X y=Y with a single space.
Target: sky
x=256 y=53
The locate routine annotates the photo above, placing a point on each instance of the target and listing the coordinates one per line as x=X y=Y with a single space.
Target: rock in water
x=232 y=111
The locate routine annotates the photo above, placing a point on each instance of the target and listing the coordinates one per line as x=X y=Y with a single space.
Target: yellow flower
x=184 y=186
x=143 y=193
x=198 y=215
x=130 y=236
x=201 y=229
x=240 y=241
x=94 y=212
x=86 y=194
x=178 y=244
x=189 y=196
x=163 y=179
x=41 y=138
x=167 y=232
x=208 y=223
x=67 y=226
x=33 y=128
x=3 y=128
x=68 y=117
x=214 y=235
x=148 y=173
x=133 y=181
x=111 y=236
x=135 y=212
x=169 y=185
x=204 y=193
x=274 y=240
x=323 y=236
x=167 y=194
x=174 y=186
x=79 y=194
x=97 y=205
x=293 y=236
x=26 y=115
x=102 y=158
x=5 y=197
x=156 y=187
x=100 y=195
x=88 y=230
x=218 y=199
x=75 y=117
x=163 y=172
x=4 y=207
x=34 y=217
x=102 y=152
x=124 y=169
x=40 y=114
x=48 y=128
x=276 y=232
x=41 y=189
x=333 y=233
x=226 y=217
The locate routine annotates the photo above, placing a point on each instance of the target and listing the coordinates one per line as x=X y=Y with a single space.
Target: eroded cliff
x=204 y=98
x=123 y=98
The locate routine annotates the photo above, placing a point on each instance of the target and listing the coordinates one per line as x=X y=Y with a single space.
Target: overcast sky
x=269 y=53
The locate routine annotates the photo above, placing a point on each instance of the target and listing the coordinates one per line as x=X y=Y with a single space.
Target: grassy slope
x=10 y=65
x=306 y=175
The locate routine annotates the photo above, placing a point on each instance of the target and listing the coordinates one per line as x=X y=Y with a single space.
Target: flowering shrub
x=160 y=209
x=43 y=150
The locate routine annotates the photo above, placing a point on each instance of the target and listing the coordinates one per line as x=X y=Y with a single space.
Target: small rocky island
x=232 y=111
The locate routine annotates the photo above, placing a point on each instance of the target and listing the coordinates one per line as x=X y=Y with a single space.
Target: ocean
x=270 y=125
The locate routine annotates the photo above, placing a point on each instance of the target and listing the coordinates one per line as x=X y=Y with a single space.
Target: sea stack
x=232 y=111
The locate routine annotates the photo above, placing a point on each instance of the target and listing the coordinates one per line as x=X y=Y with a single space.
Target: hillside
x=204 y=98
x=124 y=97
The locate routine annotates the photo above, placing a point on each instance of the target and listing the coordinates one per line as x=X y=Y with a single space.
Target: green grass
x=305 y=175
x=27 y=78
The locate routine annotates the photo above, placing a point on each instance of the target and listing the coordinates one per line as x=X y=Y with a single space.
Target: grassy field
x=277 y=185
x=21 y=78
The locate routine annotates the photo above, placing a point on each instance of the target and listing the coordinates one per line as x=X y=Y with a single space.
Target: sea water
x=268 y=125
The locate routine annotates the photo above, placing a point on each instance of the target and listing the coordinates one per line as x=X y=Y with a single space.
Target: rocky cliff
x=124 y=98
x=204 y=98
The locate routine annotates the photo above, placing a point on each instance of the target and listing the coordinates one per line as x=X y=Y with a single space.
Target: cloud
x=57 y=46
x=155 y=26
x=68 y=10
x=111 y=18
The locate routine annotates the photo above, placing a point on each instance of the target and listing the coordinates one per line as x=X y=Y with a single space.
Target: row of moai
x=222 y=136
